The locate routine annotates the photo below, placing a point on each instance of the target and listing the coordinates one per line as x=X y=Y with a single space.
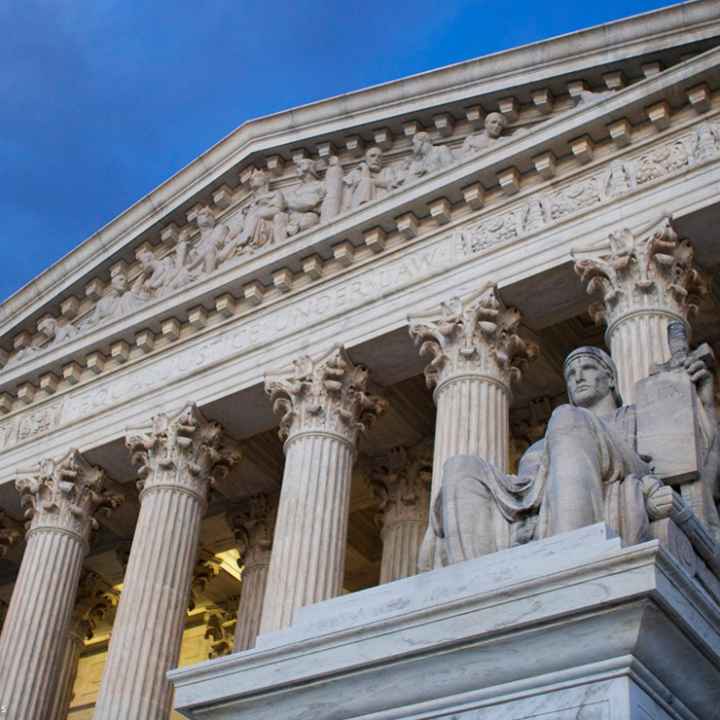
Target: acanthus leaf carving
x=66 y=494
x=185 y=450
x=328 y=394
x=96 y=599
x=470 y=335
x=253 y=523
x=650 y=267
x=10 y=533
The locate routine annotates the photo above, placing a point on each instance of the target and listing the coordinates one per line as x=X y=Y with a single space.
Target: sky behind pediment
x=104 y=100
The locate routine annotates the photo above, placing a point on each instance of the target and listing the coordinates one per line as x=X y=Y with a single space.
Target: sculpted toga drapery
x=585 y=470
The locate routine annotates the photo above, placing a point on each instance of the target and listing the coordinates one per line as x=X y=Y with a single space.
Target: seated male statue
x=585 y=470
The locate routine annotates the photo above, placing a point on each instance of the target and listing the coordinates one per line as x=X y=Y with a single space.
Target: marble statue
x=212 y=249
x=495 y=125
x=304 y=201
x=369 y=180
x=120 y=300
x=426 y=158
x=585 y=470
x=266 y=218
x=52 y=334
x=161 y=275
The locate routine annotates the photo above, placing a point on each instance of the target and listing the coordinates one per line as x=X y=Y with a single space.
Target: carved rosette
x=185 y=452
x=9 y=534
x=644 y=272
x=254 y=526
x=473 y=336
x=64 y=495
x=400 y=482
x=325 y=395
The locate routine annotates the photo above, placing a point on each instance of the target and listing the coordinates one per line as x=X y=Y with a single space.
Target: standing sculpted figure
x=426 y=158
x=369 y=180
x=120 y=300
x=266 y=218
x=214 y=245
x=585 y=470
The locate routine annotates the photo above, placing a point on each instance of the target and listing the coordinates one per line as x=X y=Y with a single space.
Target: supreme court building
x=225 y=417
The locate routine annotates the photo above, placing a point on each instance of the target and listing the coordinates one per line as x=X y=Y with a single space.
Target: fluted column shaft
x=39 y=614
x=401 y=482
x=148 y=628
x=69 y=662
x=308 y=557
x=254 y=527
x=324 y=405
x=249 y=612
x=647 y=280
x=61 y=499
x=177 y=458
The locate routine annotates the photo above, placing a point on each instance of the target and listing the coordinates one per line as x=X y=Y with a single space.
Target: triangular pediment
x=284 y=194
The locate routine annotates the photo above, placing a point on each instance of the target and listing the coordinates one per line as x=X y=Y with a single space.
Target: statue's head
x=258 y=179
x=421 y=143
x=48 y=327
x=307 y=168
x=495 y=124
x=373 y=158
x=205 y=218
x=590 y=376
x=118 y=283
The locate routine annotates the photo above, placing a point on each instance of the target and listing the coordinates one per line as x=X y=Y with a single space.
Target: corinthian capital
x=65 y=494
x=185 y=451
x=253 y=523
x=400 y=481
x=651 y=269
x=9 y=533
x=328 y=394
x=473 y=335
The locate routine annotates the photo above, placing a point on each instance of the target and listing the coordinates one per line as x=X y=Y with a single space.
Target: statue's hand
x=703 y=379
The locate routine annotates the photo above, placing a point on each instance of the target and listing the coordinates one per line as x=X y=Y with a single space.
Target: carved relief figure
x=119 y=301
x=266 y=218
x=495 y=125
x=304 y=201
x=332 y=204
x=213 y=247
x=620 y=179
x=160 y=275
x=585 y=470
x=369 y=180
x=706 y=142
x=426 y=158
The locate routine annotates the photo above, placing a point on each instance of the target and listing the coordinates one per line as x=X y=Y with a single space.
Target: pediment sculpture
x=269 y=215
x=599 y=461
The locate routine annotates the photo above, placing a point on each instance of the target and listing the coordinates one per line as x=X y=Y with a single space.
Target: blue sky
x=103 y=100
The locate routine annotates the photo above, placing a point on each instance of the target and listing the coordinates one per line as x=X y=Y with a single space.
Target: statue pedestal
x=574 y=627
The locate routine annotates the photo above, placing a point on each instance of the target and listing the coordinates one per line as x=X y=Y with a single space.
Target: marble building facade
x=224 y=417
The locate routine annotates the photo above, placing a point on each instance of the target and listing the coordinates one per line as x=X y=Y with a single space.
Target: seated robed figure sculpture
x=585 y=470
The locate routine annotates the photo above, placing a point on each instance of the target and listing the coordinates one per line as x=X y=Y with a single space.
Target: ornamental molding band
x=658 y=160
x=326 y=395
x=472 y=336
x=235 y=228
x=64 y=495
x=185 y=452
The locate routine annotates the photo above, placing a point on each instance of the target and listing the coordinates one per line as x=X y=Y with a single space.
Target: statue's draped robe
x=586 y=470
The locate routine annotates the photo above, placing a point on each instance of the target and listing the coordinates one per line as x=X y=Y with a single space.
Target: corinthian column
x=324 y=404
x=94 y=599
x=646 y=280
x=178 y=459
x=61 y=499
x=401 y=483
x=254 y=526
x=476 y=355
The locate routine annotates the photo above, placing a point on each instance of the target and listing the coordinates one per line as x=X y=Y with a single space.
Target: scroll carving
x=65 y=494
x=328 y=394
x=476 y=334
x=185 y=451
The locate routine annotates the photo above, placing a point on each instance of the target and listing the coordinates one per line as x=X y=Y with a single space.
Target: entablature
x=563 y=149
x=530 y=82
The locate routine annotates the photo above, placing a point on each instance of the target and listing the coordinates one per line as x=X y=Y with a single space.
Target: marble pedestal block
x=574 y=627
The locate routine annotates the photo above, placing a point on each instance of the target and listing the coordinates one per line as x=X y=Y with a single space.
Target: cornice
x=355 y=228
x=500 y=72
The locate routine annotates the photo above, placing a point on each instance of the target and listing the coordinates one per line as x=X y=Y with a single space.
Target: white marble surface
x=571 y=624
